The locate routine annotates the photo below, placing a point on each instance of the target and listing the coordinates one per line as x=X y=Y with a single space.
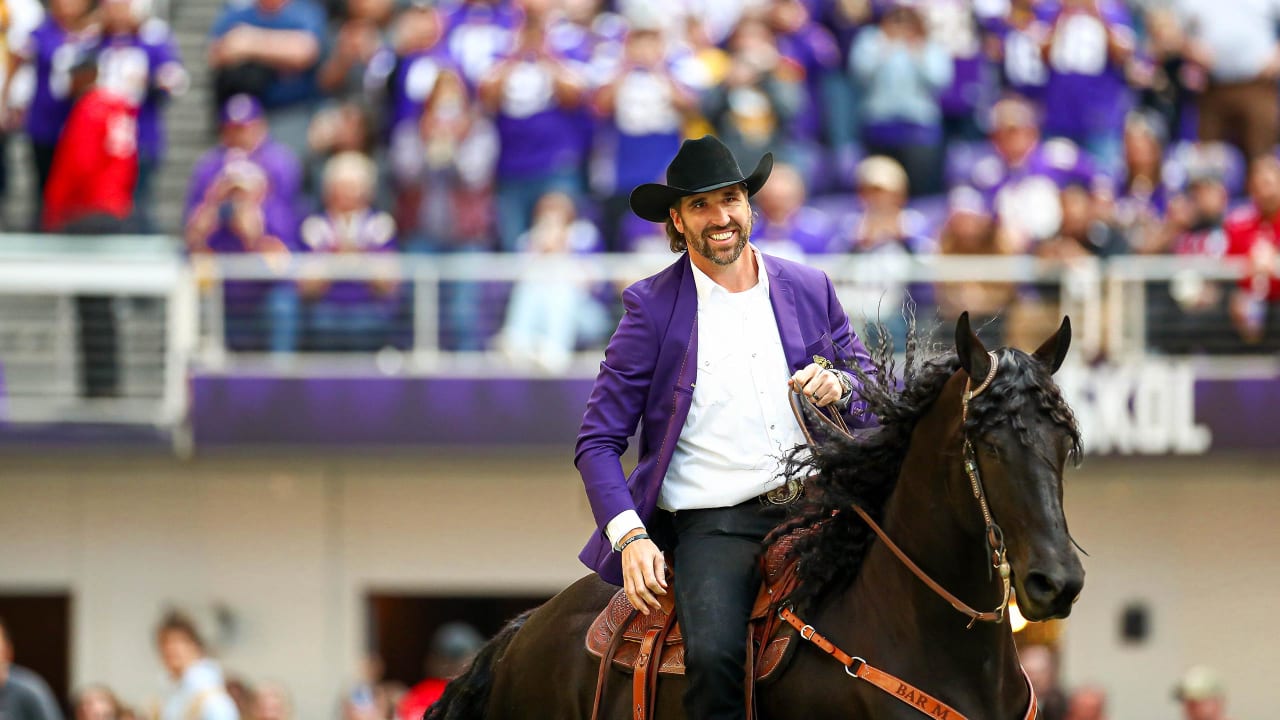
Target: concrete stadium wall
x=290 y=545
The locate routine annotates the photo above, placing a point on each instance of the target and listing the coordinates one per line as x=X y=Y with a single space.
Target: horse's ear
x=1054 y=350
x=972 y=353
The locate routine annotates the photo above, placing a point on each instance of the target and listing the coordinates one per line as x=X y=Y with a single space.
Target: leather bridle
x=857 y=667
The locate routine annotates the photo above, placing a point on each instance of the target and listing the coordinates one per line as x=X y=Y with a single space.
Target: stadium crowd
x=1060 y=128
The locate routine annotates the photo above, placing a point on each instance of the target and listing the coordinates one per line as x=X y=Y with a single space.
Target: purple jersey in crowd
x=1026 y=197
x=810 y=229
x=1087 y=94
x=645 y=128
x=284 y=179
x=814 y=48
x=536 y=136
x=412 y=82
x=140 y=56
x=1022 y=67
x=367 y=231
x=51 y=50
x=952 y=25
x=477 y=34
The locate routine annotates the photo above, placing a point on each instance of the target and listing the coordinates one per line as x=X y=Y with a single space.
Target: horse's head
x=1022 y=434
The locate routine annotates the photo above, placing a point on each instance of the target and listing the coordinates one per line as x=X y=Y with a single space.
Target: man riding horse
x=703 y=361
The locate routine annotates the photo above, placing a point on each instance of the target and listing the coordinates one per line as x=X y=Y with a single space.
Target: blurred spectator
x=1251 y=234
x=813 y=48
x=971 y=230
x=138 y=56
x=1188 y=313
x=96 y=702
x=21 y=18
x=452 y=648
x=243 y=134
x=240 y=692
x=23 y=694
x=902 y=74
x=1175 y=80
x=1087 y=703
x=271 y=49
x=198 y=692
x=643 y=102
x=361 y=701
x=552 y=309
x=47 y=49
x=952 y=25
x=785 y=225
x=1143 y=195
x=535 y=96
x=443 y=168
x=1236 y=42
x=271 y=701
x=1021 y=182
x=1081 y=233
x=884 y=234
x=1016 y=42
x=1087 y=96
x=1202 y=694
x=339 y=128
x=753 y=109
x=1041 y=667
x=90 y=192
x=417 y=60
x=349 y=315
x=240 y=200
x=95 y=166
x=480 y=33
x=353 y=44
x=1194 y=222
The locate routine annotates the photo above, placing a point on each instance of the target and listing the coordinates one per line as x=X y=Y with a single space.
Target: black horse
x=966 y=462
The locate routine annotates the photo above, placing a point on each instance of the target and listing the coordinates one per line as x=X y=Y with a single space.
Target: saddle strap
x=606 y=663
x=858 y=668
x=640 y=680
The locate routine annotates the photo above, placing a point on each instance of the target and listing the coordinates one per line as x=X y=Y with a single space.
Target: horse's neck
x=893 y=615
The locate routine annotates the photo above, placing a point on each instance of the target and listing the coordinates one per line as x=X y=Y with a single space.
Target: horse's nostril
x=1040 y=586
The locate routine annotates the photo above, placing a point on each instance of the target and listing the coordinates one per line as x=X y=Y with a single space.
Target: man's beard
x=727 y=256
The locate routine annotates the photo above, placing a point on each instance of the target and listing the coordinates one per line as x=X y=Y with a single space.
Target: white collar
x=705 y=285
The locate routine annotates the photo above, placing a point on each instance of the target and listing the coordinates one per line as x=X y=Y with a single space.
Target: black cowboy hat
x=702 y=165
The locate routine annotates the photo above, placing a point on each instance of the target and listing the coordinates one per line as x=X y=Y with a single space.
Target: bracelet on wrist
x=633 y=538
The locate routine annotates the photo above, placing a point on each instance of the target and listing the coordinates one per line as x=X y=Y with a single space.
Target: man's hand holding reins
x=644 y=572
x=818 y=384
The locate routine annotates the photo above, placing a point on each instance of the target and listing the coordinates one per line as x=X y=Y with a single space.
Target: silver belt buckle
x=785 y=494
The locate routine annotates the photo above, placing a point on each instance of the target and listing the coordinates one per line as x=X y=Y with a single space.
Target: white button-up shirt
x=740 y=426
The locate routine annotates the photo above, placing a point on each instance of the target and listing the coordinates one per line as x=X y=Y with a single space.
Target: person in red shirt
x=95 y=165
x=1252 y=235
x=452 y=649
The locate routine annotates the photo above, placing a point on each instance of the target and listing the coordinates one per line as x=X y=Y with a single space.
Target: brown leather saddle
x=648 y=646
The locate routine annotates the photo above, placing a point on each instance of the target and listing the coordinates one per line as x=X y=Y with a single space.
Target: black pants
x=42 y=160
x=98 y=334
x=717 y=576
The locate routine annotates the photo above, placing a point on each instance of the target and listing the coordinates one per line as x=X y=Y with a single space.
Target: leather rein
x=859 y=668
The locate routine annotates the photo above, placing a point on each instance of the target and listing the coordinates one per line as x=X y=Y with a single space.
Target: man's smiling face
x=716 y=224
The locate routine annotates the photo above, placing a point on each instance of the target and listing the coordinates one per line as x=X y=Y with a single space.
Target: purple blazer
x=648 y=374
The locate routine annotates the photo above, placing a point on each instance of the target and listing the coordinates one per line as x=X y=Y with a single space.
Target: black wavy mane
x=829 y=543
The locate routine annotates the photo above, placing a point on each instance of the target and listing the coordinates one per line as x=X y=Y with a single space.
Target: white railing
x=176 y=315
